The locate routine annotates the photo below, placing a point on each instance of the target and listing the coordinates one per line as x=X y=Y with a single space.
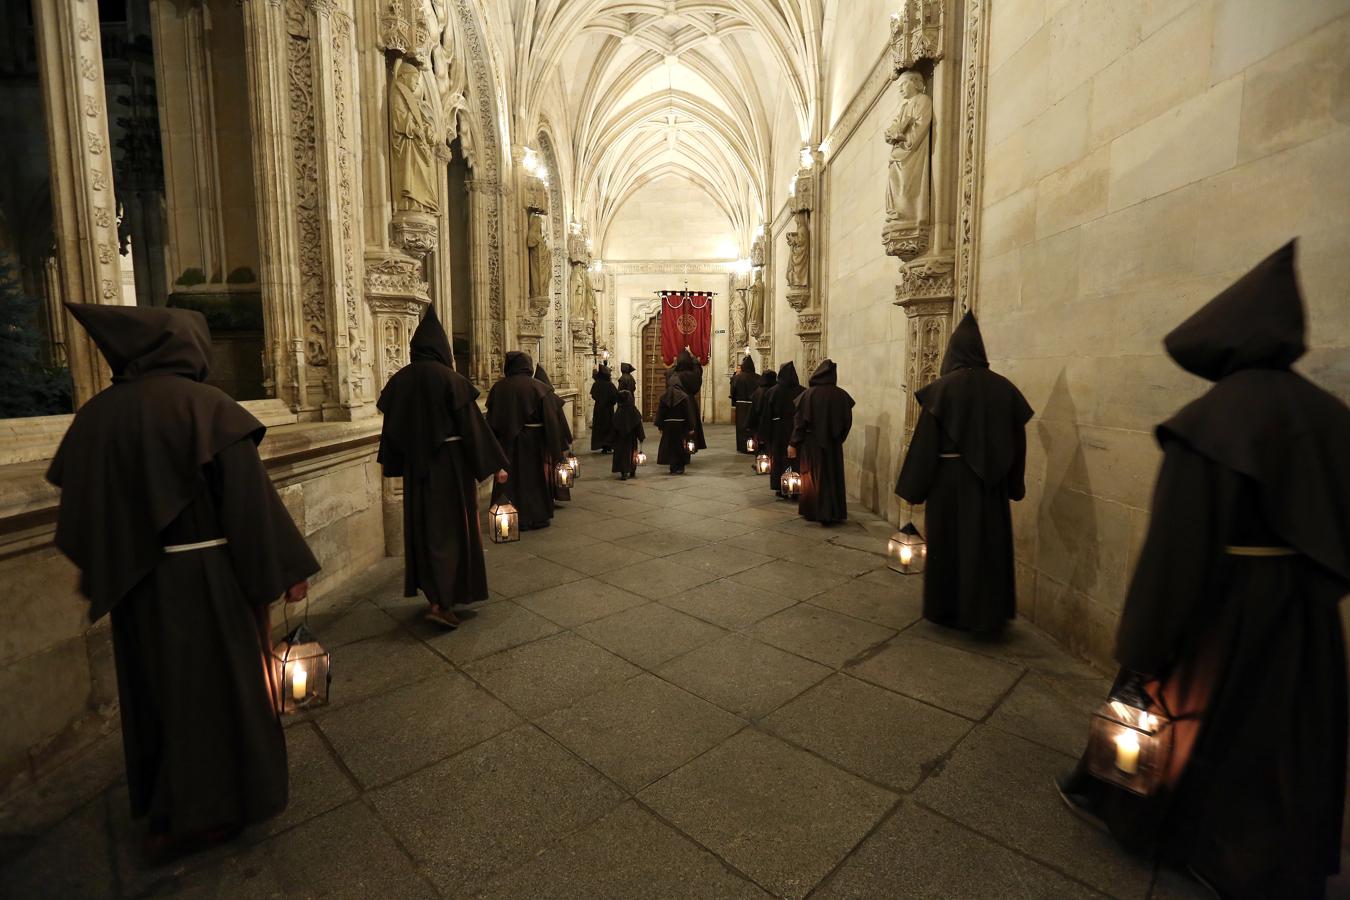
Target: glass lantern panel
x=504 y=523
x=1129 y=747
x=301 y=676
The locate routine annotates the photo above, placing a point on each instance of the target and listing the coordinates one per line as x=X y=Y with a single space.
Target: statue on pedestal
x=799 y=253
x=755 y=308
x=413 y=137
x=908 y=183
x=540 y=259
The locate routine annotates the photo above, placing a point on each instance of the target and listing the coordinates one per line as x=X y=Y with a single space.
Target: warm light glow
x=906 y=554
x=759 y=232
x=792 y=185
x=596 y=266
x=690 y=445
x=640 y=458
x=531 y=161
x=749 y=445
x=825 y=148
x=504 y=525
x=808 y=159
x=299 y=682
x=1127 y=752
x=575 y=463
x=741 y=266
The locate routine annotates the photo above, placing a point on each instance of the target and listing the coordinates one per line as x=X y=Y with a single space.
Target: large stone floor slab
x=778 y=814
x=679 y=690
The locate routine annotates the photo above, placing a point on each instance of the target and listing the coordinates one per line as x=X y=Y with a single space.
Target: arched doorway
x=653 y=370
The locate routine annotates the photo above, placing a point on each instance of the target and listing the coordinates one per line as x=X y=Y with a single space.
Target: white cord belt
x=672 y=420
x=949 y=456
x=451 y=440
x=746 y=402
x=200 y=545
x=534 y=424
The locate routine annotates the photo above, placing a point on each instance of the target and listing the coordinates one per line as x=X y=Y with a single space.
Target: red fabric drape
x=686 y=321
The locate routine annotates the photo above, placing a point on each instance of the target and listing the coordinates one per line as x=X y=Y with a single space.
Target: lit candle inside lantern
x=906 y=554
x=504 y=526
x=1127 y=752
x=299 y=683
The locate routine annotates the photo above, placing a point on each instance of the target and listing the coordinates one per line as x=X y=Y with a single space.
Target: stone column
x=84 y=210
x=803 y=292
x=485 y=196
x=538 y=264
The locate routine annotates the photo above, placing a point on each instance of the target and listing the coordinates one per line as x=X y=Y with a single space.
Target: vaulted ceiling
x=643 y=89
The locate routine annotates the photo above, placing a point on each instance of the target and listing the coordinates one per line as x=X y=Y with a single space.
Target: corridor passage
x=680 y=690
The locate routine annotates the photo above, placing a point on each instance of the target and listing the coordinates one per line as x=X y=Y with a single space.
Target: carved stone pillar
x=538 y=263
x=83 y=207
x=396 y=295
x=489 y=315
x=803 y=291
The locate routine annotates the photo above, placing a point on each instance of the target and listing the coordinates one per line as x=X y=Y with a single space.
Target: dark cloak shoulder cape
x=781 y=410
x=626 y=380
x=980 y=412
x=605 y=395
x=822 y=423
x=424 y=404
x=517 y=399
x=132 y=459
x=564 y=427
x=759 y=420
x=626 y=434
x=675 y=417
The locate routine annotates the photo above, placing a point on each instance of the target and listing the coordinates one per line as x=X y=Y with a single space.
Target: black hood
x=138 y=341
x=1257 y=323
x=965 y=350
x=748 y=365
x=602 y=374
x=429 y=341
x=541 y=375
x=826 y=373
x=787 y=376
x=625 y=398
x=518 y=363
x=626 y=368
x=768 y=379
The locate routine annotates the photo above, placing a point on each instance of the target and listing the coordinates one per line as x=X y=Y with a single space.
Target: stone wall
x=1140 y=156
x=58 y=685
x=671 y=218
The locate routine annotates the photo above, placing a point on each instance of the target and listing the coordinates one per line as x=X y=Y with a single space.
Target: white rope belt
x=949 y=456
x=1260 y=552
x=534 y=424
x=451 y=440
x=778 y=418
x=744 y=402
x=200 y=545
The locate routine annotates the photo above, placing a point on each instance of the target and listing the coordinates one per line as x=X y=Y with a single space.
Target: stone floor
x=679 y=690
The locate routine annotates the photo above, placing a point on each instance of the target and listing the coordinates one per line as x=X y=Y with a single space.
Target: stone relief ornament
x=916 y=33
x=737 y=329
x=414 y=134
x=927 y=278
x=909 y=179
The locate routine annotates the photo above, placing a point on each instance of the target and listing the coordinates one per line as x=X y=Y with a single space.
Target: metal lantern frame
x=790 y=484
x=763 y=464
x=503 y=522
x=563 y=477
x=907 y=551
x=1130 y=743
x=690 y=445
x=573 y=463
x=639 y=456
x=751 y=445
x=301 y=669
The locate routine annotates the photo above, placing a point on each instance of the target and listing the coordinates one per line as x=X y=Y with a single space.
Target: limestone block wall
x=1139 y=156
x=671 y=218
x=58 y=684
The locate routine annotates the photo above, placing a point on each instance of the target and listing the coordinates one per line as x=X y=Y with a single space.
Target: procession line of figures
x=1230 y=631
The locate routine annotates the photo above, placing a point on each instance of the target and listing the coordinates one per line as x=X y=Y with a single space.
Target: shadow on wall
x=1066 y=547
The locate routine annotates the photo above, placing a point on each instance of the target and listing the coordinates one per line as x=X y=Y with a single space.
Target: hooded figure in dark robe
x=1232 y=622
x=170 y=516
x=565 y=428
x=675 y=415
x=822 y=423
x=758 y=424
x=781 y=411
x=743 y=386
x=690 y=371
x=626 y=436
x=525 y=420
x=604 y=395
x=437 y=441
x=626 y=380
x=965 y=462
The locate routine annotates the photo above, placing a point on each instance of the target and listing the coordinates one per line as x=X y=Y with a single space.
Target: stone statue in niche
x=754 y=313
x=541 y=260
x=737 y=317
x=799 y=253
x=413 y=138
x=579 y=300
x=909 y=182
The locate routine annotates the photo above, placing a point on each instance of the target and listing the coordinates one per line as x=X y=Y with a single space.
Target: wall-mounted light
x=741 y=266
x=792 y=186
x=825 y=148
x=808 y=159
x=531 y=161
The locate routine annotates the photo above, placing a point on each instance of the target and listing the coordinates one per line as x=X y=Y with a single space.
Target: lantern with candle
x=504 y=521
x=572 y=463
x=300 y=673
x=1130 y=743
x=763 y=464
x=562 y=481
x=907 y=551
x=689 y=445
x=639 y=457
x=790 y=486
x=750 y=445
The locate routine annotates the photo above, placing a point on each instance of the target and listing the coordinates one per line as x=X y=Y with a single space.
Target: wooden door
x=653 y=371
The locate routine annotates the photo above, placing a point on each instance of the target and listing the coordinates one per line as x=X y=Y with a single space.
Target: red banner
x=686 y=321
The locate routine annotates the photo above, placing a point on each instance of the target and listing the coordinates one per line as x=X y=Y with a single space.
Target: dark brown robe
x=690 y=371
x=437 y=441
x=160 y=459
x=743 y=386
x=675 y=416
x=626 y=435
x=759 y=422
x=965 y=463
x=1246 y=651
x=781 y=411
x=564 y=426
x=526 y=423
x=626 y=380
x=603 y=395
x=822 y=422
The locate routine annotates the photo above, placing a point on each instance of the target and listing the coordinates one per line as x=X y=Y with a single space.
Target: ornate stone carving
x=737 y=334
x=973 y=71
x=409 y=27
x=927 y=278
x=540 y=262
x=755 y=307
x=909 y=181
x=803 y=196
x=757 y=250
x=395 y=277
x=929 y=329
x=535 y=194
x=917 y=33
x=413 y=231
x=799 y=253
x=305 y=169
x=808 y=331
